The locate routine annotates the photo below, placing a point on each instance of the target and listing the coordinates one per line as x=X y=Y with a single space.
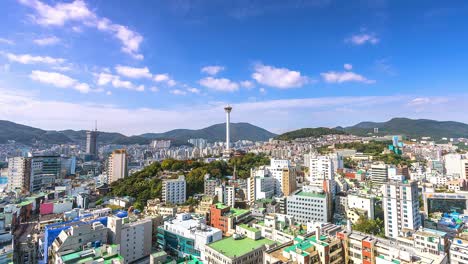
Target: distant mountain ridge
x=29 y=135
x=412 y=128
x=396 y=126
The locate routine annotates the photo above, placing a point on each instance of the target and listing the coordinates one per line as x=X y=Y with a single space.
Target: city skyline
x=296 y=64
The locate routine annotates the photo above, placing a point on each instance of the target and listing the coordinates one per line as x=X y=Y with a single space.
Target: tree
x=370 y=226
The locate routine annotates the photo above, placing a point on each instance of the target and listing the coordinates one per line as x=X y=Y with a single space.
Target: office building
x=45 y=170
x=133 y=235
x=19 y=172
x=401 y=207
x=186 y=235
x=309 y=204
x=161 y=144
x=117 y=165
x=91 y=143
x=379 y=174
x=174 y=190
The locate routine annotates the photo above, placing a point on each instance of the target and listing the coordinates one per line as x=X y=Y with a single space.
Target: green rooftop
x=253 y=229
x=221 y=206
x=231 y=248
x=237 y=212
x=311 y=194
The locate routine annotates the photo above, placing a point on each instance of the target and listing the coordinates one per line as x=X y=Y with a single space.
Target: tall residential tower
x=91 y=142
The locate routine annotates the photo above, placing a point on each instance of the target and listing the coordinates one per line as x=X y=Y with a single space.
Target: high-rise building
x=260 y=184
x=379 y=174
x=19 y=172
x=91 y=143
x=321 y=167
x=401 y=207
x=117 y=167
x=174 y=190
x=285 y=176
x=45 y=170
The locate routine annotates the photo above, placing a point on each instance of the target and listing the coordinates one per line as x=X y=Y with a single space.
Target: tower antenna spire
x=95 y=125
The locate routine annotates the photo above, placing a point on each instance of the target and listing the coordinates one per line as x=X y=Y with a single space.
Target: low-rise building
x=186 y=235
x=100 y=254
x=307 y=250
x=459 y=251
x=237 y=249
x=226 y=218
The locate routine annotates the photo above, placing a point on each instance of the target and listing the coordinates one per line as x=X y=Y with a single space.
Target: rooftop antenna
x=95 y=125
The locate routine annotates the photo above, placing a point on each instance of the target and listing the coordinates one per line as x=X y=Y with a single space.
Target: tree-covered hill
x=309 y=132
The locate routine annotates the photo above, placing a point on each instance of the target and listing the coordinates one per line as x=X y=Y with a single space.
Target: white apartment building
x=308 y=205
x=362 y=204
x=276 y=170
x=456 y=165
x=19 y=171
x=459 y=251
x=401 y=207
x=77 y=236
x=174 y=190
x=134 y=236
x=379 y=174
x=117 y=166
x=260 y=185
x=321 y=167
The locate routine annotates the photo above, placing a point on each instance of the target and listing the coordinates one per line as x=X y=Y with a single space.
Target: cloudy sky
x=152 y=66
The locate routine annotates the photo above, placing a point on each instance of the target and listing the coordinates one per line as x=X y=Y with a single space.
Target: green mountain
x=309 y=132
x=239 y=131
x=412 y=128
x=29 y=135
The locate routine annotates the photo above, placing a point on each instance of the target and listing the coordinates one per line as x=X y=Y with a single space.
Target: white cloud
x=165 y=78
x=105 y=78
x=48 y=41
x=161 y=77
x=131 y=40
x=78 y=12
x=7 y=41
x=132 y=72
x=247 y=84
x=109 y=93
x=275 y=115
x=178 y=92
x=219 y=84
x=154 y=89
x=62 y=68
x=262 y=90
x=278 y=77
x=193 y=90
x=171 y=83
x=348 y=66
x=30 y=59
x=59 y=80
x=212 y=70
x=363 y=38
x=347 y=76
x=420 y=101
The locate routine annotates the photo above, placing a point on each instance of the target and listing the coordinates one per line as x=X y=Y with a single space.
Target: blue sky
x=152 y=66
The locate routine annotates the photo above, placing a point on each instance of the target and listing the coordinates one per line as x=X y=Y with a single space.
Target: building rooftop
x=311 y=194
x=233 y=248
x=253 y=229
